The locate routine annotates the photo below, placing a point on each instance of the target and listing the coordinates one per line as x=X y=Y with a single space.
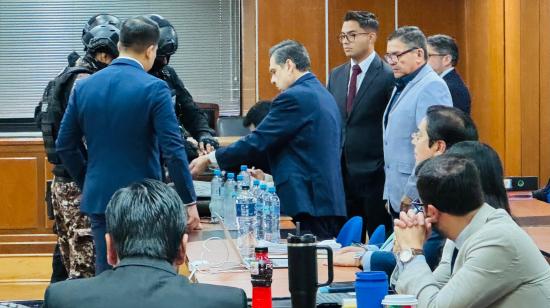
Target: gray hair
x=445 y=45
x=411 y=36
x=293 y=50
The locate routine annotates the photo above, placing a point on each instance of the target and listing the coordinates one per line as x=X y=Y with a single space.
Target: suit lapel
x=343 y=84
x=409 y=86
x=370 y=76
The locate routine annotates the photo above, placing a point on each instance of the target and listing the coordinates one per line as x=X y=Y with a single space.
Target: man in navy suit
x=362 y=88
x=443 y=57
x=125 y=118
x=301 y=136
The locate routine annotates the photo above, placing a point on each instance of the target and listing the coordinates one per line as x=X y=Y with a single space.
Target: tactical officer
x=188 y=113
x=100 y=38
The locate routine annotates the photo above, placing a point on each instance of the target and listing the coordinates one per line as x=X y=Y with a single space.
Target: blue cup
x=370 y=289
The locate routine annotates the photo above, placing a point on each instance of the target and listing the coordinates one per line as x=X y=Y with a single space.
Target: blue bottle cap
x=256 y=182
x=244 y=168
x=263 y=186
x=231 y=175
x=217 y=172
x=271 y=189
x=239 y=177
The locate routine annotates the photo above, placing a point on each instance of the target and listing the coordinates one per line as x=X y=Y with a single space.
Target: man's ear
x=151 y=52
x=441 y=147
x=180 y=257
x=432 y=212
x=112 y=256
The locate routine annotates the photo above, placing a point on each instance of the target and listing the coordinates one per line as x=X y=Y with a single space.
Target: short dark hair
x=490 y=169
x=449 y=124
x=366 y=20
x=411 y=36
x=146 y=219
x=450 y=183
x=257 y=113
x=445 y=45
x=293 y=50
x=138 y=33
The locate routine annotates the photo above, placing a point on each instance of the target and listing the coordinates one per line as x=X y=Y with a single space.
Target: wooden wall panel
x=301 y=20
x=544 y=84
x=484 y=53
x=18 y=193
x=248 y=55
x=529 y=92
x=383 y=9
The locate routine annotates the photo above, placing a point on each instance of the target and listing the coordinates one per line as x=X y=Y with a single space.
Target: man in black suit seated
x=443 y=57
x=146 y=243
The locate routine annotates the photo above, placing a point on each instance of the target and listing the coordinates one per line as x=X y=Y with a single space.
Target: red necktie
x=352 y=90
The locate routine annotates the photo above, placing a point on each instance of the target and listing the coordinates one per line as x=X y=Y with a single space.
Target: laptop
x=234 y=253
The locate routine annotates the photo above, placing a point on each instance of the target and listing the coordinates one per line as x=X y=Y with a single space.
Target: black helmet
x=168 y=42
x=100 y=19
x=102 y=38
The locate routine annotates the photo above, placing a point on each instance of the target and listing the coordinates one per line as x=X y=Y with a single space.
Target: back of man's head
x=412 y=37
x=138 y=33
x=146 y=219
x=444 y=45
x=449 y=124
x=257 y=113
x=450 y=183
x=293 y=50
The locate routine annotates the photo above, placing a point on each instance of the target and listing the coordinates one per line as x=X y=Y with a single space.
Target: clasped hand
x=411 y=230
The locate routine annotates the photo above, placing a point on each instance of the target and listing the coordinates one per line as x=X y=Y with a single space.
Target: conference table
x=210 y=244
x=534 y=217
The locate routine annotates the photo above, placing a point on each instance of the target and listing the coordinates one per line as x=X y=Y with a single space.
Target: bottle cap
x=217 y=172
x=244 y=168
x=231 y=175
x=256 y=182
x=271 y=189
x=240 y=177
x=260 y=249
x=263 y=186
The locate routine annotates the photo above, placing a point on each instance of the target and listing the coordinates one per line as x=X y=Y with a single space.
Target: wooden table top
x=214 y=251
x=541 y=236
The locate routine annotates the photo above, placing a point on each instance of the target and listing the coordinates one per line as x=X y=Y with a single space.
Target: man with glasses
x=362 y=88
x=443 y=57
x=416 y=89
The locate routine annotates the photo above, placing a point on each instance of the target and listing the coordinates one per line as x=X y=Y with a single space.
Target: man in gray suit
x=417 y=87
x=146 y=243
x=362 y=88
x=488 y=261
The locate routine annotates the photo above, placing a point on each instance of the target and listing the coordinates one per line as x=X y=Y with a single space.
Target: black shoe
x=542 y=194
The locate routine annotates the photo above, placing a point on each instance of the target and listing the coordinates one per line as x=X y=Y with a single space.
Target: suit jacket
x=141 y=282
x=124 y=115
x=425 y=90
x=362 y=129
x=459 y=91
x=498 y=265
x=301 y=136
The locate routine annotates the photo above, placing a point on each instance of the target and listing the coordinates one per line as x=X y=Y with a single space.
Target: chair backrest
x=212 y=112
x=351 y=232
x=231 y=126
x=378 y=237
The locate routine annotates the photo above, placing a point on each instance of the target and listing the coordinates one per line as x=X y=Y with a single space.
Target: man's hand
x=257 y=174
x=411 y=230
x=346 y=256
x=198 y=165
x=405 y=204
x=207 y=144
x=193 y=219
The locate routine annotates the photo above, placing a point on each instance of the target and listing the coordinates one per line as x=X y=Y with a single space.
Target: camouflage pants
x=74 y=233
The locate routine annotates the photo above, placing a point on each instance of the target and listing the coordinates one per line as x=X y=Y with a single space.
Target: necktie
x=453 y=259
x=352 y=90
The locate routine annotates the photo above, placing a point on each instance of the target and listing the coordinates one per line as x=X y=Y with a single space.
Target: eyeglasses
x=417 y=206
x=436 y=55
x=393 y=57
x=350 y=36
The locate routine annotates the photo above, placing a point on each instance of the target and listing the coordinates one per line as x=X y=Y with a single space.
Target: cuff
x=212 y=158
x=365 y=261
x=191 y=204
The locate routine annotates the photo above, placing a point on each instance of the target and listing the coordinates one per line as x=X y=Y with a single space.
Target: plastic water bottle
x=255 y=187
x=245 y=174
x=216 y=197
x=273 y=215
x=246 y=222
x=260 y=212
x=230 y=213
x=239 y=183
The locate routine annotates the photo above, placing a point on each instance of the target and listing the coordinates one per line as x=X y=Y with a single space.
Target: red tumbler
x=261 y=271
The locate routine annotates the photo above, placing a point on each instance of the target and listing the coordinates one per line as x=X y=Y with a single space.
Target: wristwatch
x=406 y=255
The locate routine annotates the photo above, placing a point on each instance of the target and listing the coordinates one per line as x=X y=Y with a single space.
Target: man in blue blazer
x=443 y=57
x=125 y=118
x=417 y=87
x=301 y=136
